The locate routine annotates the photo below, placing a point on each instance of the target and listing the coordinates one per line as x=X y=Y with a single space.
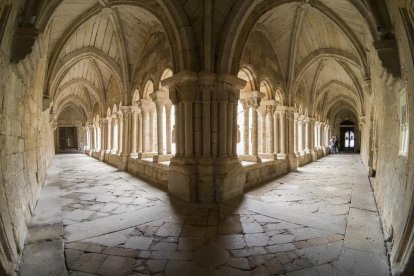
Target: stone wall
x=394 y=185
x=260 y=173
x=26 y=149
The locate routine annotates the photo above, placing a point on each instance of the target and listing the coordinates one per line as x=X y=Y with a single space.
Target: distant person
x=333 y=144
x=336 y=145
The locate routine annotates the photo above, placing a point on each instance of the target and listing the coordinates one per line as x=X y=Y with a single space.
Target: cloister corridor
x=320 y=220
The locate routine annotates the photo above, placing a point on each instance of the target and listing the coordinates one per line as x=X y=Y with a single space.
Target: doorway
x=68 y=138
x=347 y=140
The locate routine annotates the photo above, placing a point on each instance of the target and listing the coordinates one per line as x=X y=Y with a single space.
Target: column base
x=271 y=156
x=182 y=179
x=281 y=156
x=206 y=180
x=314 y=155
x=142 y=155
x=250 y=158
x=293 y=162
x=123 y=166
x=133 y=155
x=162 y=158
x=230 y=178
x=102 y=155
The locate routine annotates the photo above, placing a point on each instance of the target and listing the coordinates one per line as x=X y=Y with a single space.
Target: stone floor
x=321 y=220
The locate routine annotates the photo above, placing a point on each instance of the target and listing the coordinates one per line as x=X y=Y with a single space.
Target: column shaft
x=246 y=130
x=254 y=131
x=160 y=138
x=168 y=127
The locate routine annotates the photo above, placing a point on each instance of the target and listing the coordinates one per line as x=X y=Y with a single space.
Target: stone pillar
x=126 y=136
x=114 y=136
x=311 y=126
x=263 y=130
x=206 y=113
x=295 y=133
x=160 y=138
x=270 y=130
x=140 y=131
x=168 y=127
x=282 y=133
x=276 y=132
x=134 y=134
x=307 y=137
x=91 y=139
x=322 y=137
x=151 y=130
x=145 y=137
x=300 y=137
x=246 y=127
x=109 y=138
x=291 y=121
x=207 y=88
x=254 y=130
x=103 y=127
x=120 y=133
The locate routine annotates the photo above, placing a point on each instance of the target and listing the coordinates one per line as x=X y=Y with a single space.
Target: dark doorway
x=347 y=140
x=68 y=138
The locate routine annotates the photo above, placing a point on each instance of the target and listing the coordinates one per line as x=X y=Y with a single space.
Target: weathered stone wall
x=394 y=185
x=26 y=144
x=26 y=148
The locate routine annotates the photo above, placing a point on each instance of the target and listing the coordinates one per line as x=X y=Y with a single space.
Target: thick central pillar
x=205 y=167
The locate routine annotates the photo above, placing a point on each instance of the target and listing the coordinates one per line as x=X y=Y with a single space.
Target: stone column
x=140 y=131
x=246 y=109
x=300 y=137
x=109 y=138
x=295 y=133
x=160 y=138
x=151 y=130
x=134 y=134
x=168 y=127
x=312 y=139
x=114 y=136
x=263 y=131
x=126 y=136
x=145 y=137
x=270 y=130
x=207 y=89
x=282 y=128
x=91 y=139
x=103 y=127
x=307 y=137
x=205 y=103
x=291 y=120
x=275 y=133
x=120 y=133
x=317 y=135
x=254 y=130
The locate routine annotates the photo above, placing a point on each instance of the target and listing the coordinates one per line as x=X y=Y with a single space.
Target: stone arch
x=148 y=89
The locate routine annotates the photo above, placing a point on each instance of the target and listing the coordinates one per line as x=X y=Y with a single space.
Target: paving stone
x=231 y=241
x=274 y=266
x=124 y=252
x=71 y=256
x=79 y=215
x=141 y=243
x=281 y=238
x=164 y=246
x=190 y=243
x=281 y=247
x=89 y=262
x=169 y=229
x=115 y=265
x=228 y=271
x=175 y=267
x=239 y=263
x=261 y=271
x=251 y=227
x=249 y=252
x=324 y=253
x=155 y=266
x=210 y=256
x=259 y=239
